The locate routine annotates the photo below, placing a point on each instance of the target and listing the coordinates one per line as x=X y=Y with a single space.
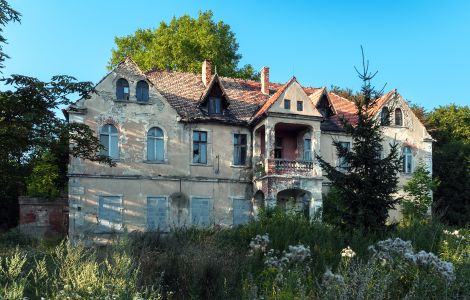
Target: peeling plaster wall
x=134 y=178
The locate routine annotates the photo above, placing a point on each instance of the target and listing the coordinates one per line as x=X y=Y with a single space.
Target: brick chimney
x=206 y=72
x=265 y=80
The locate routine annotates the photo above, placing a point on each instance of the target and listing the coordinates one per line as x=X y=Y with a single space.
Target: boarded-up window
x=110 y=213
x=200 y=211
x=157 y=213
x=241 y=211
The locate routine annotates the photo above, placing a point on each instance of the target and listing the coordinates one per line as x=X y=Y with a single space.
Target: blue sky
x=422 y=48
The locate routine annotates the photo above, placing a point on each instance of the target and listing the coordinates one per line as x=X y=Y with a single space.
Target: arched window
x=385 y=116
x=122 y=89
x=155 y=144
x=109 y=139
x=407 y=160
x=398 y=117
x=142 y=91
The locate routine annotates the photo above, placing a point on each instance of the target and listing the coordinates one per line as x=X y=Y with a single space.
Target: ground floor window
x=109 y=213
x=157 y=213
x=200 y=211
x=241 y=211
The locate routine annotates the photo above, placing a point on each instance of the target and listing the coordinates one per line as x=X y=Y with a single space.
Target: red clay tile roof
x=183 y=91
x=347 y=109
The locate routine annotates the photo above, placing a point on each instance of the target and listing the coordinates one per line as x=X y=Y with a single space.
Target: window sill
x=240 y=166
x=199 y=165
x=133 y=101
x=155 y=162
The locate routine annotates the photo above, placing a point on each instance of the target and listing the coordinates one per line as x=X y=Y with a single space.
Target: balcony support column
x=269 y=143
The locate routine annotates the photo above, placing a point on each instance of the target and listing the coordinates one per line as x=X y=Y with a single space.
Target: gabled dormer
x=322 y=102
x=289 y=100
x=214 y=100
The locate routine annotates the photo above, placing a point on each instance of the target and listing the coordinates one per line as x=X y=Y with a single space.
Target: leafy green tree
x=182 y=45
x=29 y=128
x=450 y=127
x=7 y=14
x=419 y=189
x=364 y=191
x=42 y=182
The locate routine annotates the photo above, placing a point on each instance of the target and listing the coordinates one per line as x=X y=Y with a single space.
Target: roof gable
x=294 y=92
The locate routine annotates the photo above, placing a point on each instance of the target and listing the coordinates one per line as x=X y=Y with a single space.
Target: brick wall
x=43 y=217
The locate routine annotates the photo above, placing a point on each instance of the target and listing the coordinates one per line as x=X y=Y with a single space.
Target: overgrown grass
x=218 y=263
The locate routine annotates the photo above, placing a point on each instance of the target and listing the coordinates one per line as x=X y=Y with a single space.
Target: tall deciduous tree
x=7 y=14
x=450 y=127
x=364 y=191
x=182 y=45
x=31 y=130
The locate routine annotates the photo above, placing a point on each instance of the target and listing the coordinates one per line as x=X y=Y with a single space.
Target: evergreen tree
x=365 y=189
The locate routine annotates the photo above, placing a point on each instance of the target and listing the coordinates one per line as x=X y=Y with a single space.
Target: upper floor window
x=155 y=144
x=385 y=116
x=286 y=104
x=343 y=162
x=142 y=91
x=109 y=139
x=407 y=160
x=122 y=89
x=307 y=149
x=398 y=117
x=300 y=105
x=200 y=147
x=278 y=148
x=239 y=149
x=215 y=105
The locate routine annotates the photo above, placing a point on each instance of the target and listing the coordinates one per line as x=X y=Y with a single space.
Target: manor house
x=202 y=149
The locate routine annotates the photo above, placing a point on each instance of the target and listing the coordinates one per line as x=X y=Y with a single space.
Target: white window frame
x=341 y=161
x=163 y=139
x=110 y=135
x=407 y=158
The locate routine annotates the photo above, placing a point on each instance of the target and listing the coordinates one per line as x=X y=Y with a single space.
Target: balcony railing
x=291 y=167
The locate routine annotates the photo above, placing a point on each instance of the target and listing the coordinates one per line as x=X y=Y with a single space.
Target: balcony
x=278 y=166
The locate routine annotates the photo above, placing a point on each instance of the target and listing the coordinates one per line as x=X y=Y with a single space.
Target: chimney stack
x=265 y=80
x=206 y=72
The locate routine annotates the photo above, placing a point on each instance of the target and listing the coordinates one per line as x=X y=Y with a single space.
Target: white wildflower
x=330 y=278
x=298 y=253
x=389 y=249
x=444 y=268
x=348 y=252
x=455 y=233
x=259 y=243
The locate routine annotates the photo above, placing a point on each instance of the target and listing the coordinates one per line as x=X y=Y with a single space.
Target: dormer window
x=122 y=89
x=215 y=106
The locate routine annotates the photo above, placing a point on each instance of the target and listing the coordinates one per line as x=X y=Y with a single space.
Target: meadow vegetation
x=279 y=256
